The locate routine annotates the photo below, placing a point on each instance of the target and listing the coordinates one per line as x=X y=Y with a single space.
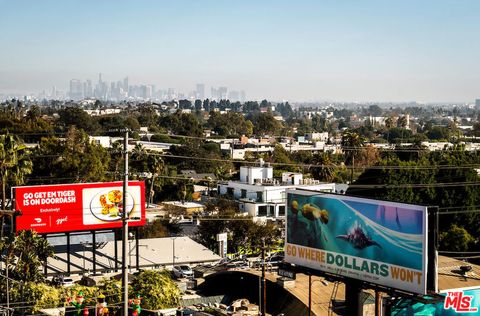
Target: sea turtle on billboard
x=358 y=238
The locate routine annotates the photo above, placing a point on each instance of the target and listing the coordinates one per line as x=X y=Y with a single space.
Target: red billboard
x=74 y=207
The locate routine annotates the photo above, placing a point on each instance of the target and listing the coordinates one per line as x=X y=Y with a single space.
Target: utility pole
x=125 y=228
x=264 y=288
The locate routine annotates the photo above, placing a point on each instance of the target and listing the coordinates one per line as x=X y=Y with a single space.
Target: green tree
x=281 y=156
x=244 y=235
x=428 y=180
x=156 y=166
x=76 y=116
x=157 y=289
x=15 y=164
x=231 y=124
x=74 y=158
x=438 y=133
x=160 y=228
x=351 y=143
x=456 y=239
x=394 y=183
x=323 y=168
x=112 y=288
x=264 y=124
x=27 y=253
x=38 y=295
x=182 y=124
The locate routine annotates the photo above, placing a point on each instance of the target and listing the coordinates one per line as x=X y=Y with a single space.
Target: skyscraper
x=243 y=96
x=233 y=95
x=89 y=89
x=477 y=103
x=76 y=89
x=125 y=84
x=200 y=91
x=223 y=93
x=54 y=92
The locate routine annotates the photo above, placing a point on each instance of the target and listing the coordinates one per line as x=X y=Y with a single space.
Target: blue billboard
x=374 y=241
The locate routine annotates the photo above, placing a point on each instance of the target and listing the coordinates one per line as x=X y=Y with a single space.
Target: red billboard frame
x=78 y=207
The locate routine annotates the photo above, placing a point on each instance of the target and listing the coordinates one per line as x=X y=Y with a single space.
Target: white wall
x=250 y=174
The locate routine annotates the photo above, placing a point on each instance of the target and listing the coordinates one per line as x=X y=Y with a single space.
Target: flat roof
x=153 y=252
x=450 y=276
x=184 y=204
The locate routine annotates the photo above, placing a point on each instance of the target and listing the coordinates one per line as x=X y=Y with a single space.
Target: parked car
x=182 y=271
x=272 y=261
x=275 y=260
x=62 y=281
x=238 y=265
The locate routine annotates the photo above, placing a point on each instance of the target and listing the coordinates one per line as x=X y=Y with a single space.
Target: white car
x=62 y=281
x=182 y=271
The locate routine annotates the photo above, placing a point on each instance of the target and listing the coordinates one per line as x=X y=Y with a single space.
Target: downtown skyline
x=278 y=50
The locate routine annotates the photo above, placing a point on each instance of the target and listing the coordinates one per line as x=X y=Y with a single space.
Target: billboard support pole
x=137 y=250
x=94 y=250
x=353 y=291
x=378 y=303
x=125 y=228
x=309 y=293
x=432 y=237
x=68 y=253
x=115 y=232
x=264 y=288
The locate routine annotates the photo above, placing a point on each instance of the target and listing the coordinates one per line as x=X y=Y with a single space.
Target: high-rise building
x=214 y=93
x=125 y=84
x=243 y=96
x=154 y=91
x=477 y=103
x=54 y=93
x=223 y=93
x=233 y=96
x=89 y=89
x=76 y=89
x=200 y=91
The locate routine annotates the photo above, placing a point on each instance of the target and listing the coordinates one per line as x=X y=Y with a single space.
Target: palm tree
x=323 y=167
x=402 y=123
x=389 y=124
x=155 y=166
x=116 y=154
x=30 y=252
x=15 y=164
x=351 y=145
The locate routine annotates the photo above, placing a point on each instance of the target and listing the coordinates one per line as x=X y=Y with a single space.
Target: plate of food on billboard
x=107 y=205
x=75 y=207
x=374 y=241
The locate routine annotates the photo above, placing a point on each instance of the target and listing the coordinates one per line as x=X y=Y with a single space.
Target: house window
x=259 y=196
x=230 y=192
x=262 y=210
x=281 y=210
x=243 y=193
x=271 y=211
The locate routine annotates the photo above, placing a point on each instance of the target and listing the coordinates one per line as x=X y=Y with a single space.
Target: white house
x=260 y=195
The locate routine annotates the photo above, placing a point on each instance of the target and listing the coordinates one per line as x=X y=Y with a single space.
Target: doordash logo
x=459 y=302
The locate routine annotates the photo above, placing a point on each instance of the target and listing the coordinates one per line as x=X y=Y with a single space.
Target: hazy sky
x=345 y=50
